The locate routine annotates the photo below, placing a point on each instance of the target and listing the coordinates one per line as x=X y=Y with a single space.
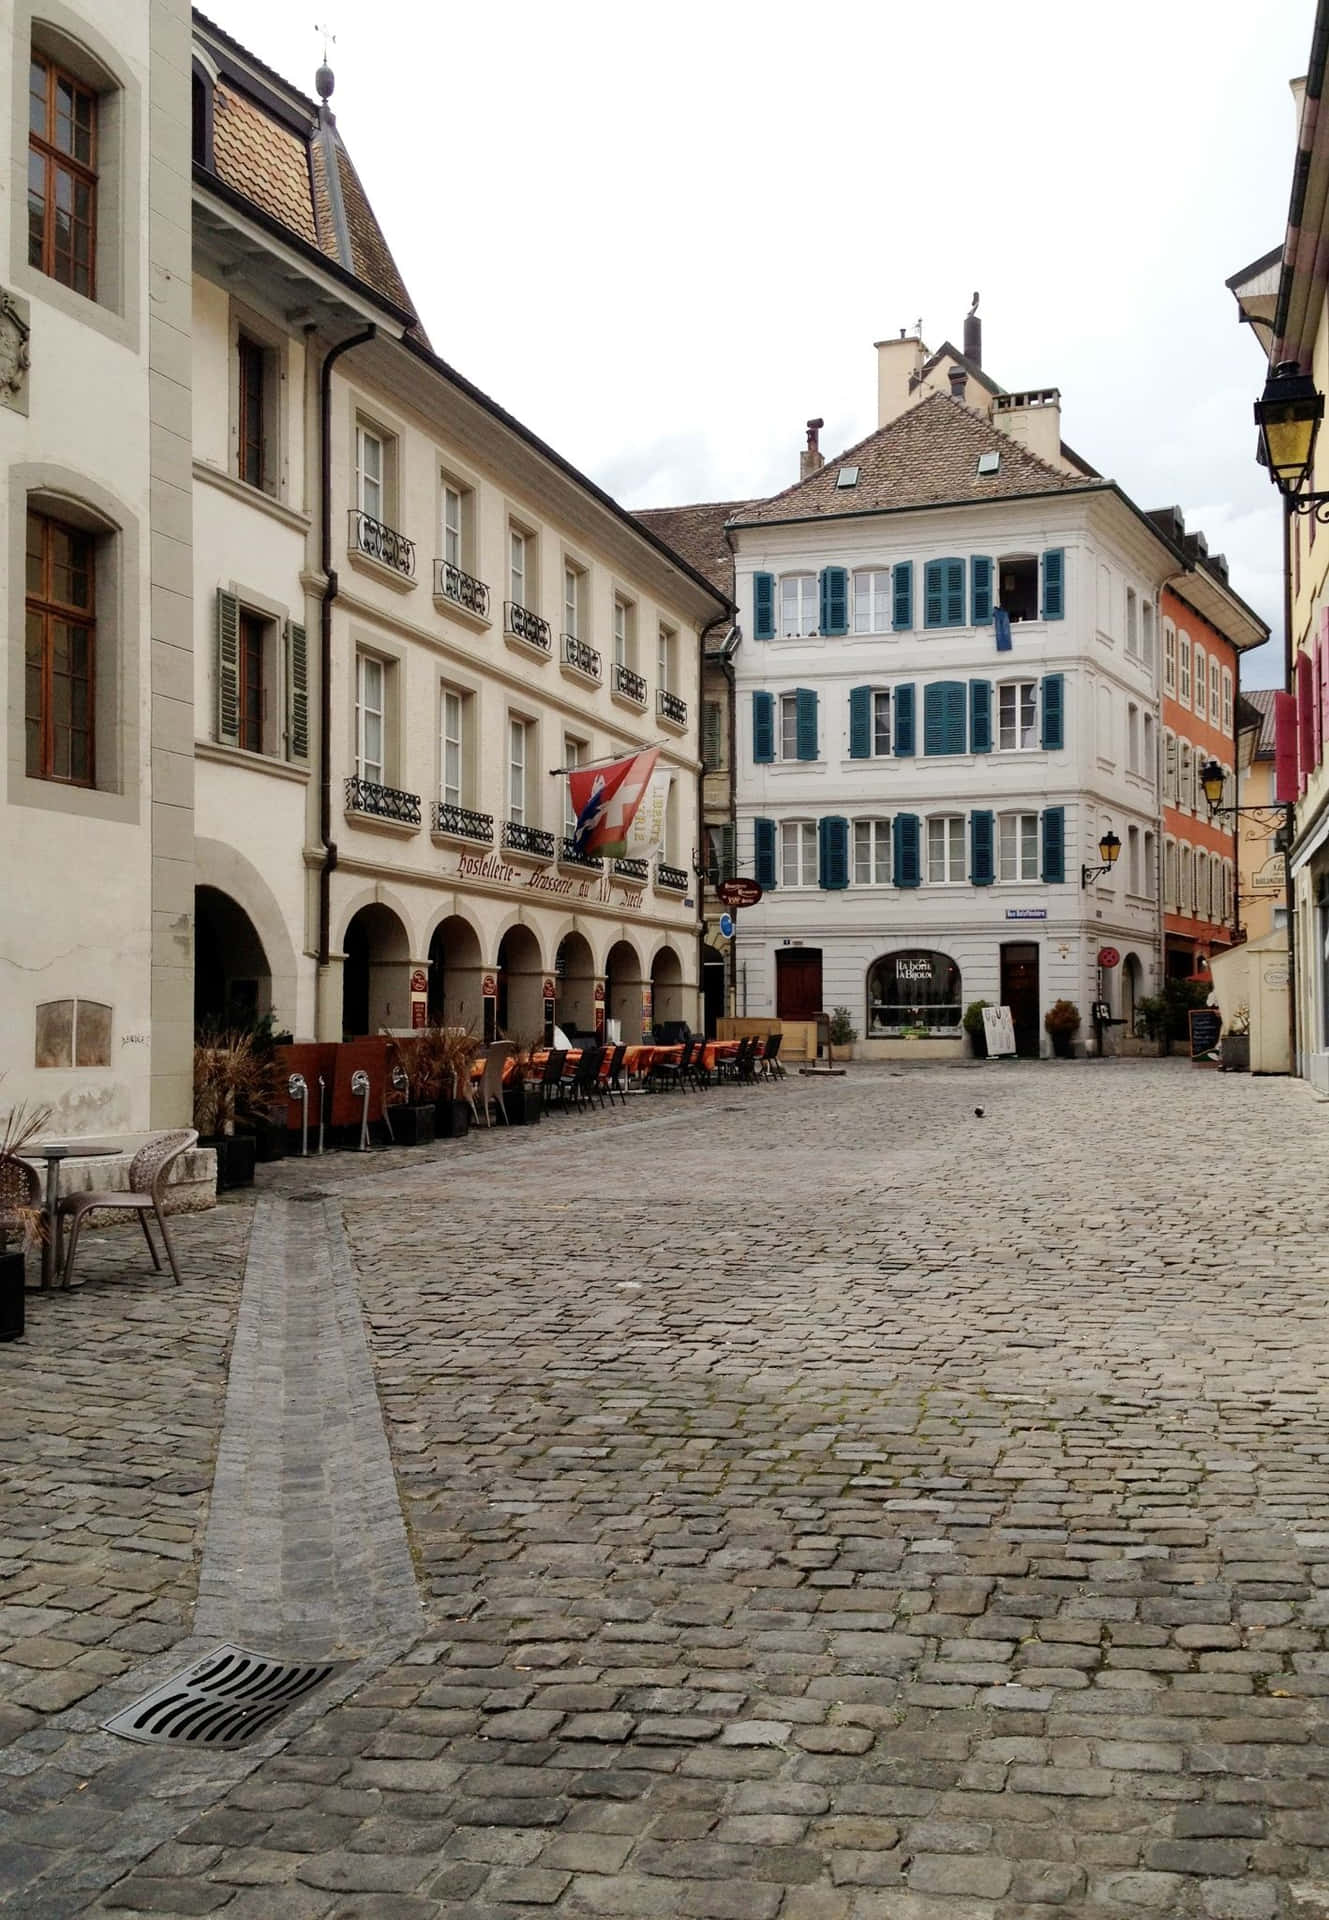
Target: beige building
x=409 y=613
x=1261 y=873
x=96 y=810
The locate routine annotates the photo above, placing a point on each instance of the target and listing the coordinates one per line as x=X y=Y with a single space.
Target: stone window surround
x=272 y=339
x=393 y=655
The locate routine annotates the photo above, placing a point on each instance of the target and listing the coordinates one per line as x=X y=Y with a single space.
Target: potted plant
x=234 y=1083
x=267 y=1124
x=973 y=1026
x=440 y=1064
x=411 y=1060
x=1234 y=1050
x=20 y=1220
x=1152 y=1018
x=841 y=1034
x=1062 y=1021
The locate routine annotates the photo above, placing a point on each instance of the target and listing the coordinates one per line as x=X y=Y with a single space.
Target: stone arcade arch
x=574 y=984
x=624 y=980
x=232 y=978
x=236 y=896
x=666 y=989
x=521 y=1013
x=456 y=974
x=376 y=983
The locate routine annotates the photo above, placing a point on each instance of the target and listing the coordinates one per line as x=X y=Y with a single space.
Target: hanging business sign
x=738 y=893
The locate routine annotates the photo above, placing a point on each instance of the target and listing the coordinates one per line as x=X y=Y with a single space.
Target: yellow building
x=1260 y=870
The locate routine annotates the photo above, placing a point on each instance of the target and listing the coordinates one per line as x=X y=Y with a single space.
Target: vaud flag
x=646 y=832
x=606 y=798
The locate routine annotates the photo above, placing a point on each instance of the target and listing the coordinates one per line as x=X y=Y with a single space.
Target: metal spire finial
x=323 y=79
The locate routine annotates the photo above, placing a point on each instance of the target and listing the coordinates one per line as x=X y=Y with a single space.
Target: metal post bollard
x=360 y=1085
x=322 y=1104
x=297 y=1088
x=402 y=1085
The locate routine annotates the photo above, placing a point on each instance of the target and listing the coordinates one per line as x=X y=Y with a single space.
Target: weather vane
x=329 y=39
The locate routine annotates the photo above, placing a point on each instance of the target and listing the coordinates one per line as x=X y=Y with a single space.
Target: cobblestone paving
x=833 y=1504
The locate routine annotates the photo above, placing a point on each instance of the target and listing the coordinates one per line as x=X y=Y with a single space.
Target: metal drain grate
x=225 y=1699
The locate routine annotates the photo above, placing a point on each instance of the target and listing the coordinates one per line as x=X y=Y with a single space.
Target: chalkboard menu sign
x=1206 y=1027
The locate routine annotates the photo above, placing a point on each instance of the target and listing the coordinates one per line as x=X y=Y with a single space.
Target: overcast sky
x=665 y=237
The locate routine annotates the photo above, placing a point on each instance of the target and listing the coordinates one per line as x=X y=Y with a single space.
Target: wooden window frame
x=252 y=357
x=45 y=607
x=54 y=161
x=253 y=641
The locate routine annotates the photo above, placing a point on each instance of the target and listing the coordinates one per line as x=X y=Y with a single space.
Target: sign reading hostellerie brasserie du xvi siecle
x=606 y=889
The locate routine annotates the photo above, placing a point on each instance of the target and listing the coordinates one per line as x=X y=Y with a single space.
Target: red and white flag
x=605 y=800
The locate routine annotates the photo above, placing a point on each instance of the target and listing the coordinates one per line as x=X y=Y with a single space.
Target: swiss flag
x=606 y=798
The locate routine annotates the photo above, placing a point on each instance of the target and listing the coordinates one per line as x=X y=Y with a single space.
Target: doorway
x=713 y=988
x=1019 y=992
x=798 y=983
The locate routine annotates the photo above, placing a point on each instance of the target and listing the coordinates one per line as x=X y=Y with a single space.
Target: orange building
x=1204 y=634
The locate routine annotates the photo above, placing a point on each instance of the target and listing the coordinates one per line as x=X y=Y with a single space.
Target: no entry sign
x=1108 y=956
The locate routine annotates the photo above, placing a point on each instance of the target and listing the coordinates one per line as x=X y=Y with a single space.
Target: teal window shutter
x=944 y=717
x=904 y=719
x=763 y=606
x=806 y=723
x=834 y=601
x=833 y=851
x=763 y=728
x=902 y=587
x=954 y=593
x=860 y=723
x=904 y=835
x=765 y=853
x=933 y=598
x=1054 y=585
x=1054 y=716
x=980 y=716
x=980 y=587
x=981 y=870
x=1054 y=845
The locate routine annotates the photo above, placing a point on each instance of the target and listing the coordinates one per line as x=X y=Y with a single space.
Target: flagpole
x=609 y=760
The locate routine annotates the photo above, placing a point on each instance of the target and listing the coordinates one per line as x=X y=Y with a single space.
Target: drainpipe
x=701 y=811
x=325 y=645
x=1289 y=812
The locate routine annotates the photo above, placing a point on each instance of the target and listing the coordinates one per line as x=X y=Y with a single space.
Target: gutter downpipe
x=702 y=865
x=330 y=589
x=1290 y=811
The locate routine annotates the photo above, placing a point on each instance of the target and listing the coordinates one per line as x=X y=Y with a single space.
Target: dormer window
x=201 y=117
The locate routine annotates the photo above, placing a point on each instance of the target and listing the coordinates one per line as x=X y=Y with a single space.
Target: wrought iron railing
x=519 y=838
x=371 y=537
x=570 y=855
x=576 y=653
x=464 y=822
x=527 y=626
x=385 y=803
x=668 y=706
x=632 y=869
x=630 y=683
x=674 y=878
x=450 y=583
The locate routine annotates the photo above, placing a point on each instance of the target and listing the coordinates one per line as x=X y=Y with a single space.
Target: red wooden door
x=798 y=983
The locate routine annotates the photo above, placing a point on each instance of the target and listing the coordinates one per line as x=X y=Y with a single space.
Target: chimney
x=1034 y=419
x=899 y=366
x=959 y=381
x=811 y=459
x=973 y=335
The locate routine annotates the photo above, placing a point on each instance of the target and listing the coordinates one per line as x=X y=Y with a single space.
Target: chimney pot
x=959 y=381
x=973 y=335
x=811 y=459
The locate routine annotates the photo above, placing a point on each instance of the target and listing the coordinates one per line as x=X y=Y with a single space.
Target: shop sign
x=1108 y=957
x=489 y=987
x=738 y=893
x=911 y=968
x=547 y=990
x=419 y=1013
x=1026 y=913
x=608 y=890
x=599 y=993
x=419 y=980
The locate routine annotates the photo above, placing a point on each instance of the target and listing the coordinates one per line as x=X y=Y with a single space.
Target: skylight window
x=989 y=462
x=847 y=477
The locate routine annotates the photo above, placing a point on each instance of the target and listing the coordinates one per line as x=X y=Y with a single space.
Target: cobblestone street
x=826 y=1501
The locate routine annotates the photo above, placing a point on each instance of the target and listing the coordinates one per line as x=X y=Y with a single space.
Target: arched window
x=913 y=987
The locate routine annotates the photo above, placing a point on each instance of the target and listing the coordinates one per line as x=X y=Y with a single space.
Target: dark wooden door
x=798 y=983
x=1019 y=992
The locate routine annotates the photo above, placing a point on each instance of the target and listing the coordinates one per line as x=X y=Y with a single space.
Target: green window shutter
x=980 y=716
x=954 y=593
x=833 y=852
x=933 y=597
x=955 y=714
x=1054 y=845
x=904 y=835
x=806 y=723
x=980 y=587
x=834 y=588
x=1054 y=717
x=904 y=719
x=712 y=725
x=297 y=692
x=1054 y=588
x=944 y=717
x=981 y=869
x=763 y=606
x=902 y=588
x=765 y=853
x=726 y=853
x=933 y=727
x=860 y=723
x=763 y=728
x=228 y=669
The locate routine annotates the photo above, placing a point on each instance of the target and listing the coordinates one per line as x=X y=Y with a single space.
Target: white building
x=96 y=810
x=409 y=611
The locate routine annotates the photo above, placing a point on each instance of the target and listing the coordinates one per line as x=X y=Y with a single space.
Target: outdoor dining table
x=54 y=1155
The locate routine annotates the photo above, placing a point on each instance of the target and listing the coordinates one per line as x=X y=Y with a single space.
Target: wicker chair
x=20 y=1198
x=147 y=1183
x=490 y=1090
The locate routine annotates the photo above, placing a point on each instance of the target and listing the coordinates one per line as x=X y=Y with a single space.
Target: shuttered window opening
x=1017 y=716
x=980 y=587
x=1017 y=846
x=260 y=661
x=1054 y=589
x=798 y=853
x=902 y=579
x=873 y=601
x=872 y=853
x=799 y=605
x=943 y=593
x=763 y=852
x=798 y=724
x=944 y=717
x=763 y=728
x=946 y=862
x=763 y=606
x=1054 y=845
x=981 y=868
x=834 y=599
x=833 y=850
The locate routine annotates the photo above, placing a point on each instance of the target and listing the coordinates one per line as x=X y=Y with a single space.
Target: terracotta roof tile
x=263 y=160
x=697 y=535
x=1262 y=700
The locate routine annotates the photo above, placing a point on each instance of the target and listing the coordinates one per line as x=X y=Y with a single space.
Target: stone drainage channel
x=305 y=1559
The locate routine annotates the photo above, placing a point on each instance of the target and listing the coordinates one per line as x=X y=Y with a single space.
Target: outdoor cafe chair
x=550 y=1081
x=147 y=1184
x=489 y=1093
x=20 y=1198
x=770 y=1059
x=612 y=1077
x=740 y=1067
x=670 y=1073
x=583 y=1083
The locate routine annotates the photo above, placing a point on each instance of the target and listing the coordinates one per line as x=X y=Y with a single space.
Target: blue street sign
x=727 y=925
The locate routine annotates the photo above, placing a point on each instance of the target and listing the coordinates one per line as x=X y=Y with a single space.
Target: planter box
x=11 y=1296
x=839 y=1049
x=452 y=1119
x=1235 y=1052
x=524 y=1105
x=915 y=1050
x=269 y=1139
x=235 y=1160
x=412 y=1126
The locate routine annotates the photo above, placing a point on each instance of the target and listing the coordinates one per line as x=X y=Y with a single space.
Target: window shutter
x=1054 y=724
x=954 y=592
x=297 y=692
x=763 y=606
x=726 y=853
x=833 y=835
x=1285 y=747
x=807 y=723
x=1054 y=597
x=860 y=723
x=904 y=834
x=834 y=601
x=763 y=728
x=765 y=853
x=980 y=716
x=1305 y=720
x=981 y=870
x=944 y=717
x=933 y=722
x=712 y=721
x=932 y=594
x=904 y=719
x=1054 y=845
x=228 y=669
x=902 y=585
x=980 y=587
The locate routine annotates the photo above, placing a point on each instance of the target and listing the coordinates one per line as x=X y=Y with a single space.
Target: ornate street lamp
x=1275 y=813
x=1288 y=414
x=1108 y=848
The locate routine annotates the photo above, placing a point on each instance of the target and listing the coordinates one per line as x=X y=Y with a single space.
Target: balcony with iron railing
x=570 y=855
x=632 y=870
x=519 y=838
x=670 y=708
x=519 y=623
x=580 y=657
x=383 y=544
x=671 y=879
x=628 y=685
x=378 y=802
x=460 y=589
x=463 y=823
